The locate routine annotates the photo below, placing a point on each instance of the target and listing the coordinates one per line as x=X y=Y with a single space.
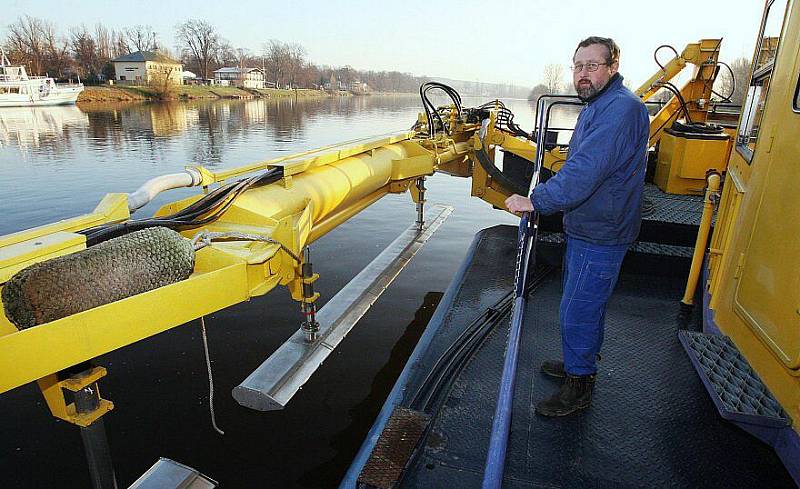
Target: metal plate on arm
x=277 y=380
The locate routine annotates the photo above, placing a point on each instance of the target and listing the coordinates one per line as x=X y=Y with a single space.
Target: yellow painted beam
x=36 y=352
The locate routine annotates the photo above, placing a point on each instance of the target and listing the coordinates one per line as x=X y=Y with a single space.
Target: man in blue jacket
x=599 y=188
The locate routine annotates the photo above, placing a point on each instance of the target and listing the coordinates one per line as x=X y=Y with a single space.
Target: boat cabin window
x=13 y=89
x=763 y=62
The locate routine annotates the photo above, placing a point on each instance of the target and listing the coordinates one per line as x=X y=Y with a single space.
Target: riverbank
x=130 y=93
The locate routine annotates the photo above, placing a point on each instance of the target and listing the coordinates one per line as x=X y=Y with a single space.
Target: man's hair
x=611 y=47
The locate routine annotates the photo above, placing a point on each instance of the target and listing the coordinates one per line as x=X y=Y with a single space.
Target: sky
x=501 y=42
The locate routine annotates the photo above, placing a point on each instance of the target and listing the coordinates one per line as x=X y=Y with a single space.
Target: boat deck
x=651 y=423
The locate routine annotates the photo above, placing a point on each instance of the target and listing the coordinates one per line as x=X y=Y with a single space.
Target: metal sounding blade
x=274 y=382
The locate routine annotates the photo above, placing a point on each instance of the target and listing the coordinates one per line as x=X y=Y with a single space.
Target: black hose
x=431 y=112
x=453 y=360
x=207 y=209
x=655 y=54
x=498 y=176
x=672 y=88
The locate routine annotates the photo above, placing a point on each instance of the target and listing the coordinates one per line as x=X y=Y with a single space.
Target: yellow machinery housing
x=684 y=160
x=754 y=255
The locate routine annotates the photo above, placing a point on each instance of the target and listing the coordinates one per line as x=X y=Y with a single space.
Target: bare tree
x=226 y=55
x=162 y=84
x=537 y=92
x=199 y=40
x=120 y=45
x=58 y=54
x=276 y=59
x=86 y=52
x=552 y=78
x=27 y=43
x=734 y=87
x=141 y=38
x=297 y=57
x=104 y=43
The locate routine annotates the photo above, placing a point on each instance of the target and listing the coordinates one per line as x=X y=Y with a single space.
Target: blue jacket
x=599 y=187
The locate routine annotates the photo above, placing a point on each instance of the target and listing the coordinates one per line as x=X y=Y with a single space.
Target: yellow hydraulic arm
x=318 y=191
x=696 y=92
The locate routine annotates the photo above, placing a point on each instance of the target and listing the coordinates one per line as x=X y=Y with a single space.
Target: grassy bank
x=131 y=93
x=109 y=94
x=299 y=93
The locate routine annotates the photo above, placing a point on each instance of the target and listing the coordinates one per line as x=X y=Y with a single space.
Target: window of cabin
x=797 y=96
x=763 y=62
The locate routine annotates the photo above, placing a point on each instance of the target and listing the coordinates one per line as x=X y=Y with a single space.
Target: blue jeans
x=590 y=274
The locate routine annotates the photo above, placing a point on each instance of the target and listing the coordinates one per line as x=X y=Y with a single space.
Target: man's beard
x=585 y=92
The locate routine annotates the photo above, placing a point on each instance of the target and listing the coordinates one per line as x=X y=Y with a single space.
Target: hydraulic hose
x=147 y=192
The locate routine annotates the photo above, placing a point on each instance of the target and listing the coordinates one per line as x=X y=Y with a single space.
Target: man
x=599 y=188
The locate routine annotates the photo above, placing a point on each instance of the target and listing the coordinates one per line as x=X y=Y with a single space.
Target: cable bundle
x=431 y=112
x=206 y=210
x=505 y=118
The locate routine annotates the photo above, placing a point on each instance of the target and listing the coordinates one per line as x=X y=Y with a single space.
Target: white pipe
x=147 y=192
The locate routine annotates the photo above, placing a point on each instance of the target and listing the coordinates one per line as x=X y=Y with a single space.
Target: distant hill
x=489 y=90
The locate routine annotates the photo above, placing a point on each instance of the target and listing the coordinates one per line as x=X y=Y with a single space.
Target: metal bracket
x=277 y=380
x=53 y=391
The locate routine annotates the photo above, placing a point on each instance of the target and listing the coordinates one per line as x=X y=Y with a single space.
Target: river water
x=59 y=162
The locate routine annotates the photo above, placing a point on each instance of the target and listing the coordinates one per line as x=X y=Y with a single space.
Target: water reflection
x=115 y=148
x=46 y=128
x=65 y=159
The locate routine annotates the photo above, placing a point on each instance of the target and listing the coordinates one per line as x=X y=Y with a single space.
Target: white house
x=247 y=77
x=144 y=67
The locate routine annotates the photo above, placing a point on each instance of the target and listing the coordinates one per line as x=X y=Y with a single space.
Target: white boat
x=17 y=89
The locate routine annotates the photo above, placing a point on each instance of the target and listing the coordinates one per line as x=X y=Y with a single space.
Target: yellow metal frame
x=696 y=92
x=320 y=190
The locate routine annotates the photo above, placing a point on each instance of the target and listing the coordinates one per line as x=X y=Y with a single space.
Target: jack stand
x=420 y=203
x=95 y=442
x=310 y=326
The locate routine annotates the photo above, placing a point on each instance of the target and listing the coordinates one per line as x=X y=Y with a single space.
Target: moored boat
x=17 y=89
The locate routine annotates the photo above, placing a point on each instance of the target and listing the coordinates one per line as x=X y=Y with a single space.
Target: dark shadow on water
x=347 y=441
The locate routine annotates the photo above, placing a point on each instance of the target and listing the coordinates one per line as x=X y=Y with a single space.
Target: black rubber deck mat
x=651 y=423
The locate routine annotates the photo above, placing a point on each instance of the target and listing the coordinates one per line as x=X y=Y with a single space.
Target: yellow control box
x=685 y=158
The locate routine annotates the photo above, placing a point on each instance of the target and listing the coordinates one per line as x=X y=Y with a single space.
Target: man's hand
x=518 y=203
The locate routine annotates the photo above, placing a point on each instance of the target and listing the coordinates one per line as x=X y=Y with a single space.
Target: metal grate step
x=394 y=447
x=735 y=388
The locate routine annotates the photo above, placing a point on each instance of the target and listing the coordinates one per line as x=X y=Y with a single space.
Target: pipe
x=526 y=255
x=147 y=192
x=712 y=187
x=95 y=442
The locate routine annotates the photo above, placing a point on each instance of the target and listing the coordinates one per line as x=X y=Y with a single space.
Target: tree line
x=729 y=85
x=87 y=52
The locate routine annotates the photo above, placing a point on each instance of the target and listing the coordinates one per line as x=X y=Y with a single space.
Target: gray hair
x=611 y=47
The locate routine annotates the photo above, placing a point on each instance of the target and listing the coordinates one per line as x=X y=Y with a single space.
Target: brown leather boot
x=575 y=394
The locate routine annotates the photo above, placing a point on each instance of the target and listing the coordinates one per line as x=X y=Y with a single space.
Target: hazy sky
x=508 y=42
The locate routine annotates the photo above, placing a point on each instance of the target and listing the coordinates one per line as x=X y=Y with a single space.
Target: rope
x=210 y=378
x=204 y=238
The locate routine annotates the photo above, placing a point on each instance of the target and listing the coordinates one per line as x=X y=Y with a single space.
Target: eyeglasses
x=589 y=67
